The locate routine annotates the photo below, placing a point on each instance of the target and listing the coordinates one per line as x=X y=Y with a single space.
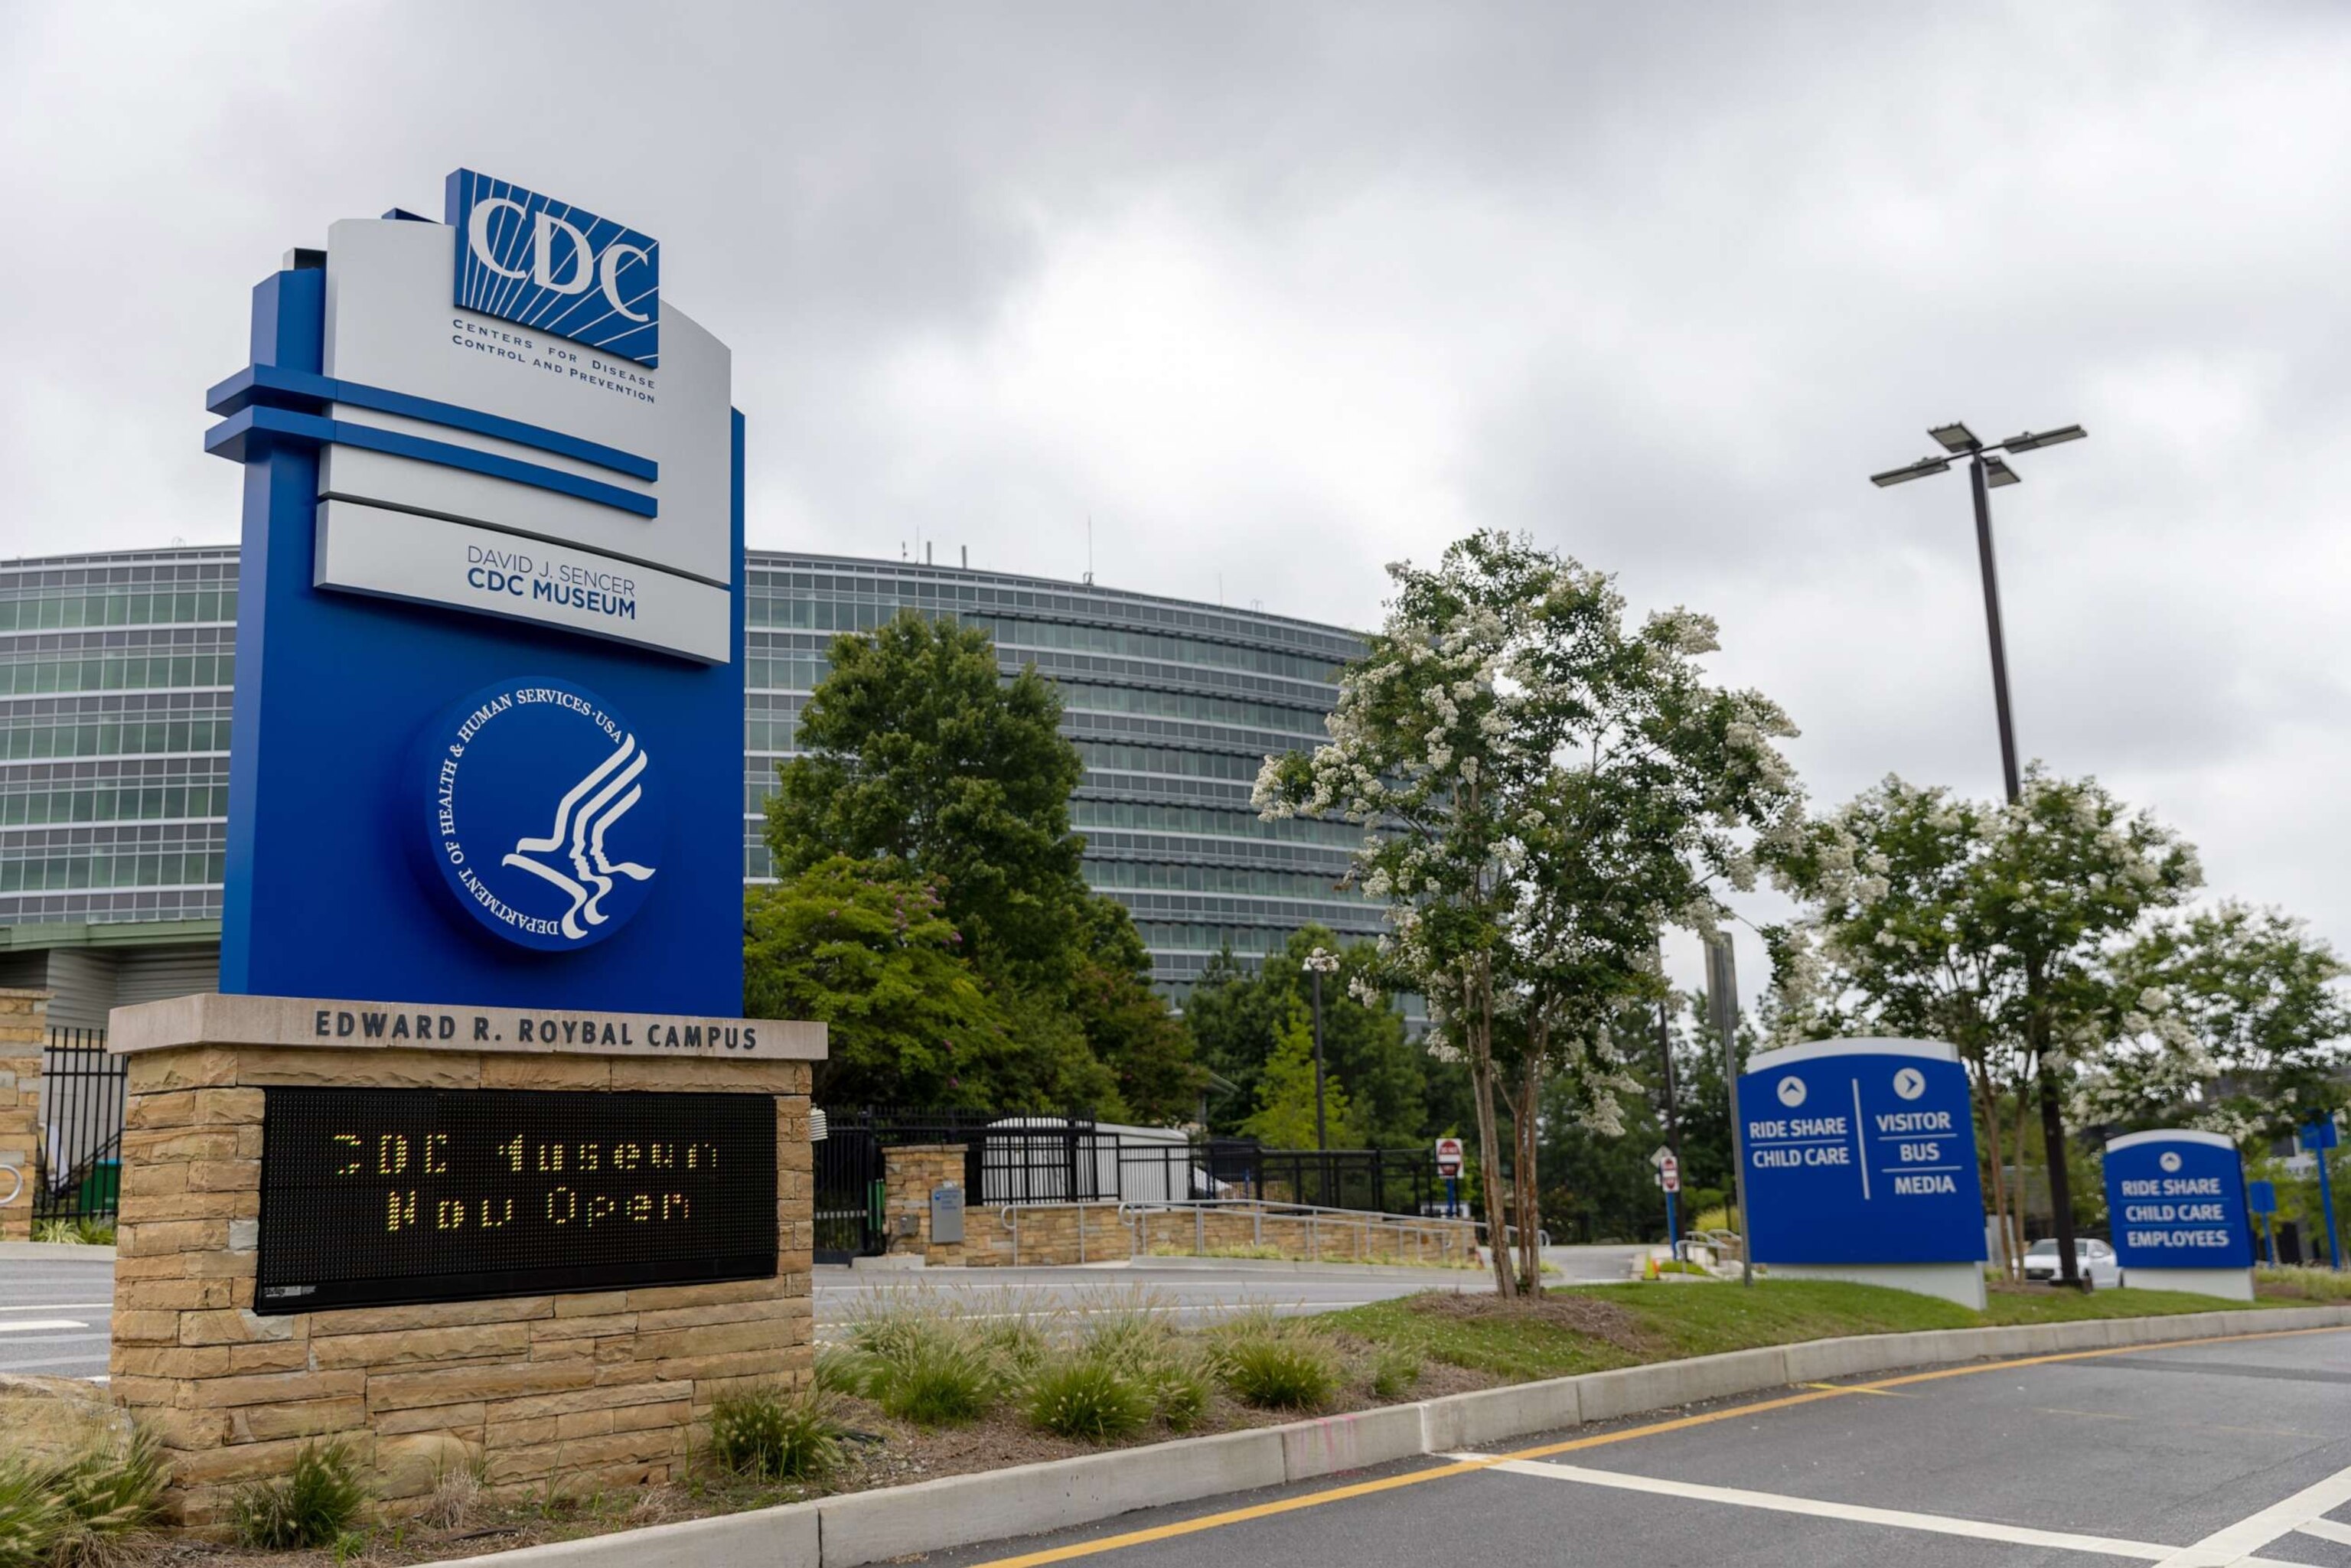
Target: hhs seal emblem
x=542 y=814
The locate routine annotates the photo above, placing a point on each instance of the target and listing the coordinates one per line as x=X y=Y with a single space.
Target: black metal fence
x=80 y=1168
x=1072 y=1159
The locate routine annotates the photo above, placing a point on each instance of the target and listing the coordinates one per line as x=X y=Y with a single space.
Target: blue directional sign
x=2261 y=1196
x=2177 y=1200
x=1862 y=1150
x=2320 y=1135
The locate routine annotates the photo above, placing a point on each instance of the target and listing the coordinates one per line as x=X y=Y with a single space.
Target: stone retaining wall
x=562 y=1392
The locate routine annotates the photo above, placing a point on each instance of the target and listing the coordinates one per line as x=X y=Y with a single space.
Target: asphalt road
x=52 y=1313
x=2229 y=1452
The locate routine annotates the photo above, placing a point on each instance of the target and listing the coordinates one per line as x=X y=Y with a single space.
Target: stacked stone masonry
x=24 y=1030
x=1056 y=1234
x=562 y=1392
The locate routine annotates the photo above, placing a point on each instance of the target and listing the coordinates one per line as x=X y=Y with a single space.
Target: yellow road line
x=1818 y=1392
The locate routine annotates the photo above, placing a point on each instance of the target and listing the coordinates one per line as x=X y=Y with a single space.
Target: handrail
x=18 y=1190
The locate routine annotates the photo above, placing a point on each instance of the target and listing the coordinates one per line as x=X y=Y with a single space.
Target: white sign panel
x=429 y=560
x=521 y=431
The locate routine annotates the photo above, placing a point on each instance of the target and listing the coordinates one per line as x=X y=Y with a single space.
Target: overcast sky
x=1276 y=293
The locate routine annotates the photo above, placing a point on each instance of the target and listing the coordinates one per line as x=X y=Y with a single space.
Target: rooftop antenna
x=1089 y=549
x=966 y=558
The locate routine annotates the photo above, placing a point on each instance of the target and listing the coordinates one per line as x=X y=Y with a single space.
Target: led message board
x=376 y=1196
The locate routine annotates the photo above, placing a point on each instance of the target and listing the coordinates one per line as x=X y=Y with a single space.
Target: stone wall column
x=23 y=1033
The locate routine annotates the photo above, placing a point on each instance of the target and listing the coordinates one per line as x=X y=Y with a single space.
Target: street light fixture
x=1319 y=963
x=1989 y=471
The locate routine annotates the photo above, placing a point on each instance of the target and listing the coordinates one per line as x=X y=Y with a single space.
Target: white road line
x=63 y=1307
x=1853 y=1513
x=36 y=1325
x=2326 y=1530
x=2239 y=1542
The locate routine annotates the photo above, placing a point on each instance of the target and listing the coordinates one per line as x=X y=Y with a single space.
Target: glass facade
x=116 y=672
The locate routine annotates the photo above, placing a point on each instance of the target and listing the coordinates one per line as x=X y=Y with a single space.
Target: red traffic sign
x=1670 y=1179
x=1449 y=1156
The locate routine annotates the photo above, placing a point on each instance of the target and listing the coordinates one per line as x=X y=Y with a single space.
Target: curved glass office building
x=115 y=679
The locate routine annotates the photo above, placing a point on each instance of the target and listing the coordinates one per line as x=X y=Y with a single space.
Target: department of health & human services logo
x=542 y=812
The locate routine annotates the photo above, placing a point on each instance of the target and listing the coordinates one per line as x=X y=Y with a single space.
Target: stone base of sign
x=24 y=1030
x=562 y=1392
x=2229 y=1284
x=1961 y=1282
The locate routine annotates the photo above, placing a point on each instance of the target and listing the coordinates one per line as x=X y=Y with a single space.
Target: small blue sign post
x=1861 y=1165
x=2262 y=1197
x=2319 y=1137
x=2176 y=1199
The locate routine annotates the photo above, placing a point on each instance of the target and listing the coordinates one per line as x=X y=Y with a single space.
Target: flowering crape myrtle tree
x=1991 y=926
x=1541 y=787
x=2232 y=1020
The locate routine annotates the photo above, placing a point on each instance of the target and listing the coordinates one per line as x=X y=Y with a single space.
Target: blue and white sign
x=1860 y=1156
x=556 y=268
x=488 y=739
x=543 y=812
x=2176 y=1203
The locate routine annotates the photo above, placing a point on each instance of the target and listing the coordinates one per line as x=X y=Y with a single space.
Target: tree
x=1145 y=1048
x=1540 y=789
x=922 y=762
x=916 y=750
x=1284 y=1118
x=861 y=947
x=1236 y=1019
x=2231 y=1019
x=1990 y=926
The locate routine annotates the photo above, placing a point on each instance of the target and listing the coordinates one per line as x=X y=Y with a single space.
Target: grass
x=75 y=1232
x=314 y=1504
x=81 y=1510
x=774 y=1434
x=1094 y=1399
x=2304 y=1283
x=1595 y=1328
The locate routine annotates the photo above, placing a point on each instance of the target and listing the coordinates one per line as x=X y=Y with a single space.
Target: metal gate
x=82 y=1095
x=850 y=1192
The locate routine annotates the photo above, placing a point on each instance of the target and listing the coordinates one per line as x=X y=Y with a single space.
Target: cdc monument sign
x=486 y=737
x=2176 y=1200
x=1861 y=1165
x=474 y=1056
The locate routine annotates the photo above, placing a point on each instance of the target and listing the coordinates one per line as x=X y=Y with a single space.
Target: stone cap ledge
x=209 y=1018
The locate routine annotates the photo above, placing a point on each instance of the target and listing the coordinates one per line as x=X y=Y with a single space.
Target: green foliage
x=775 y=1434
x=311 y=1505
x=923 y=1365
x=2232 y=1020
x=861 y=947
x=932 y=907
x=1095 y=1398
x=80 y=1510
x=1401 y=1097
x=1285 y=1096
x=841 y=1369
x=918 y=752
x=84 y=1231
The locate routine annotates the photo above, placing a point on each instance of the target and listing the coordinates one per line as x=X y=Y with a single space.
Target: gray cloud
x=1277 y=293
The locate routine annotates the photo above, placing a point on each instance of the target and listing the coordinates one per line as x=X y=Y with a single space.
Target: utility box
x=946 y=1215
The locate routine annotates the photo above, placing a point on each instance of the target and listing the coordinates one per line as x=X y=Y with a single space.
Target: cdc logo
x=541 y=812
x=544 y=264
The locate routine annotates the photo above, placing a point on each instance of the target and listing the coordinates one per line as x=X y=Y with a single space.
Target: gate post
x=24 y=1029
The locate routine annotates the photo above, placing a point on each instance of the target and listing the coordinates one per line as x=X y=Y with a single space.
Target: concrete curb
x=53 y=1252
x=995 y=1505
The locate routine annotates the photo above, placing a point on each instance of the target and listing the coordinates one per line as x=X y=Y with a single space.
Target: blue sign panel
x=2261 y=1196
x=2177 y=1200
x=558 y=268
x=1862 y=1152
x=2320 y=1135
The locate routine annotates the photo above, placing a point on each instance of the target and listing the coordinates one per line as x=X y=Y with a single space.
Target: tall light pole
x=1319 y=963
x=1987 y=472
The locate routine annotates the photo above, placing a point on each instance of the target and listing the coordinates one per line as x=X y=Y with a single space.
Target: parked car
x=2097 y=1263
